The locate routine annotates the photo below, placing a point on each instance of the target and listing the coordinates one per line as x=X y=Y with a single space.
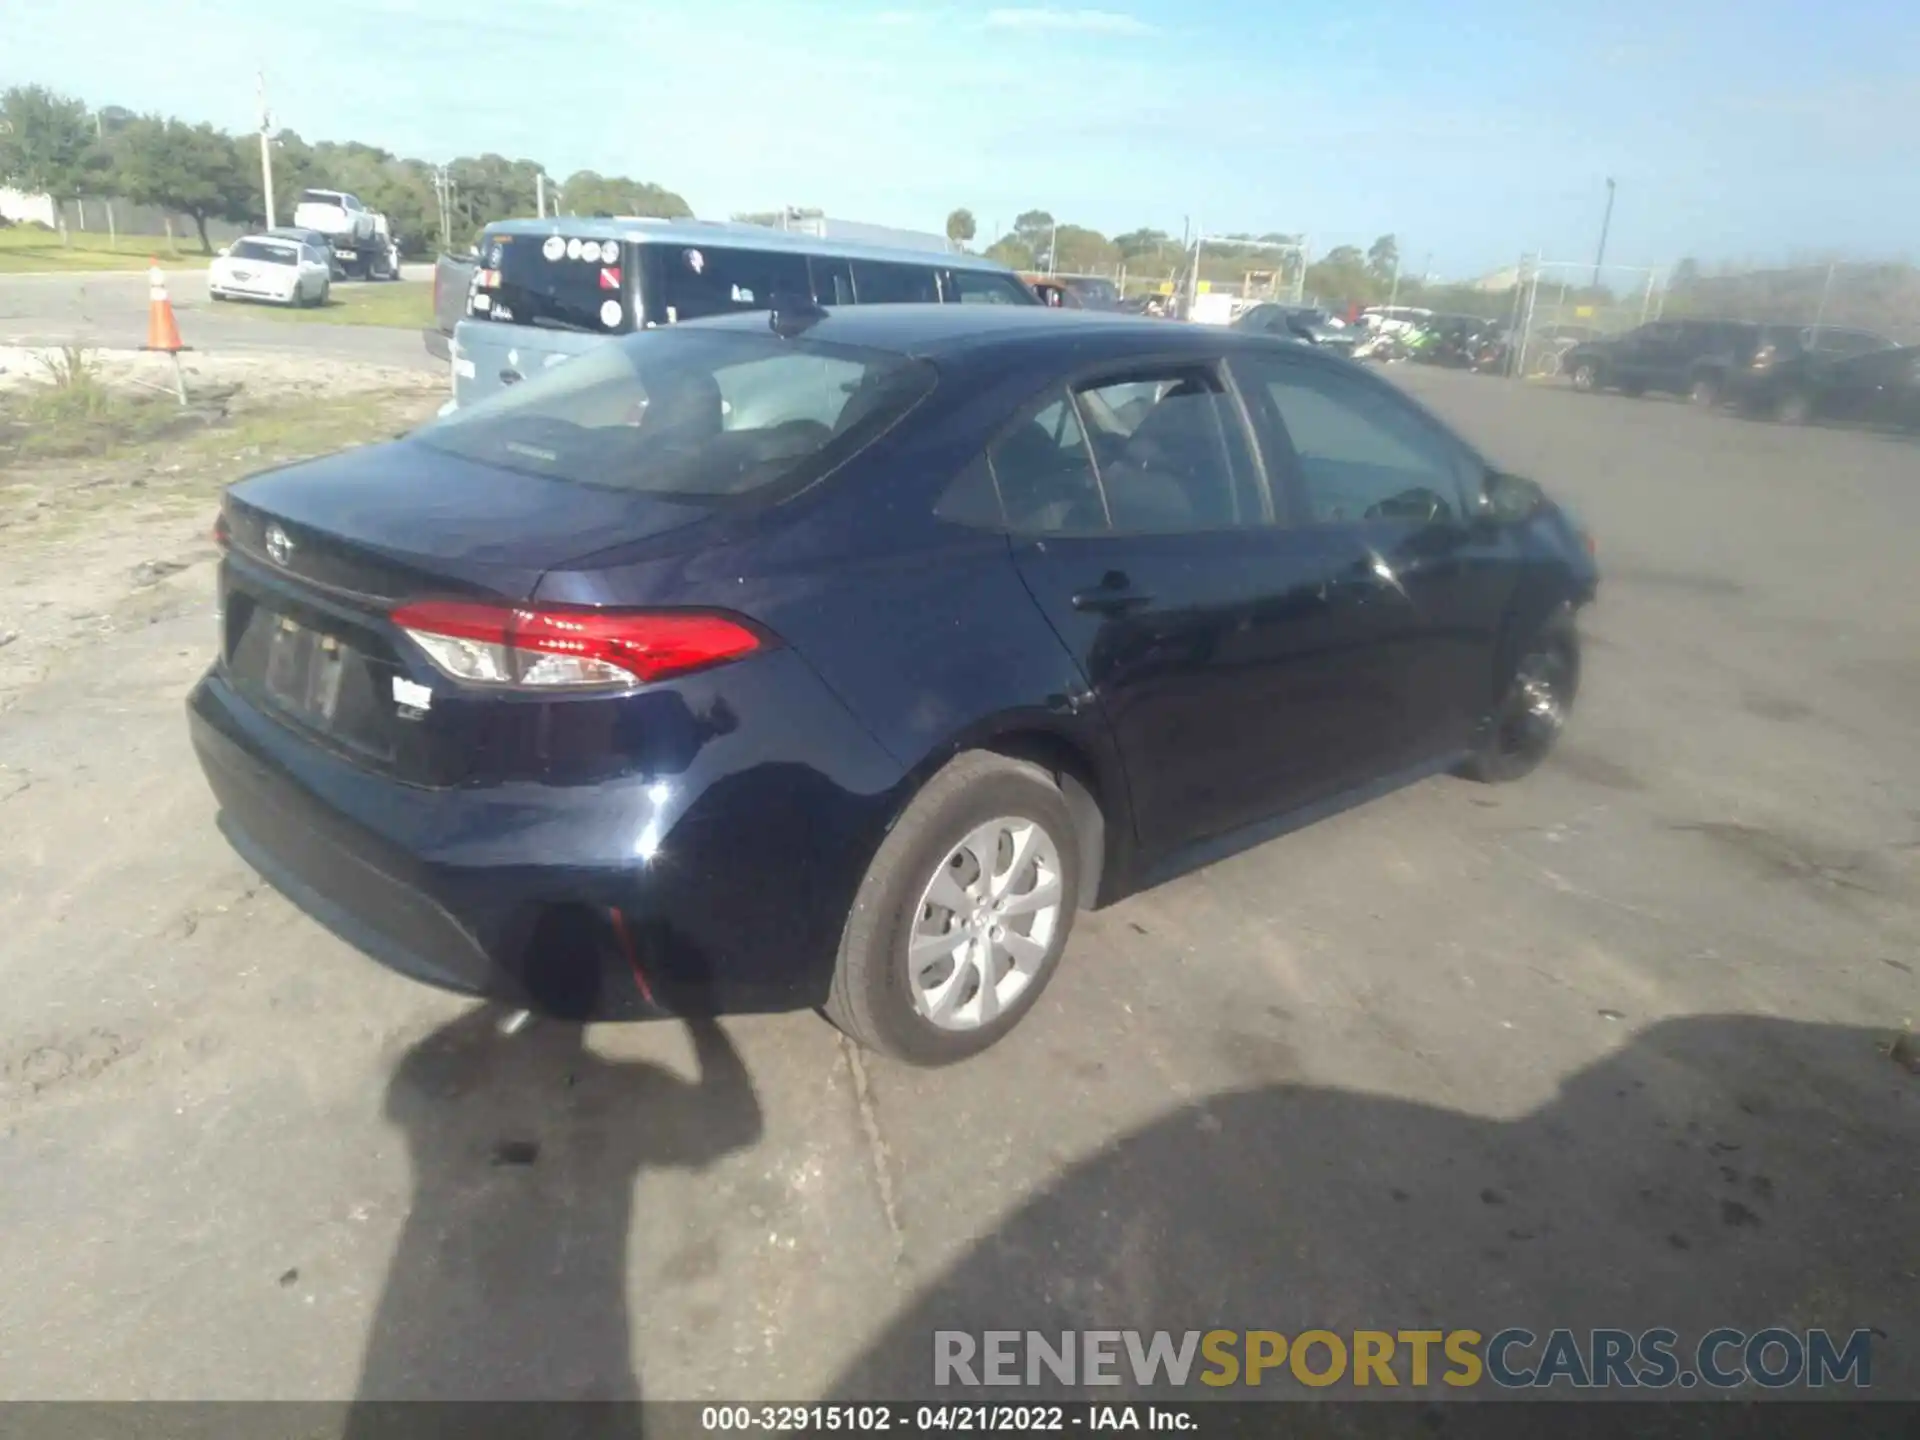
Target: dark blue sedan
x=836 y=660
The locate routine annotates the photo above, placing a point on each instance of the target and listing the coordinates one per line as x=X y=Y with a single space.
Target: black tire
x=1794 y=408
x=326 y=296
x=1634 y=389
x=871 y=1001
x=1585 y=377
x=218 y=297
x=1705 y=391
x=1517 y=737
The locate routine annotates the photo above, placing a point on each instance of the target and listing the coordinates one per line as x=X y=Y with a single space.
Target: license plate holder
x=304 y=670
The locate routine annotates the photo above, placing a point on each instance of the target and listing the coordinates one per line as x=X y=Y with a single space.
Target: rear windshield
x=690 y=414
x=559 y=282
x=265 y=252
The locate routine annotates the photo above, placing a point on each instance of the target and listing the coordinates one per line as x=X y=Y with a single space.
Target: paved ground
x=111 y=310
x=1607 y=1047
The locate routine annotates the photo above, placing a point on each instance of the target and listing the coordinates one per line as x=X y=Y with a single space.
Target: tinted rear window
x=690 y=414
x=689 y=282
x=554 y=281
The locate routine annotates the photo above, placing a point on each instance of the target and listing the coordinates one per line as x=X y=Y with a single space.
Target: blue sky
x=1474 y=129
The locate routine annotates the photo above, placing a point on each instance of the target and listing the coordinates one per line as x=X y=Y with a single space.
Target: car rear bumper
x=439 y=343
x=618 y=900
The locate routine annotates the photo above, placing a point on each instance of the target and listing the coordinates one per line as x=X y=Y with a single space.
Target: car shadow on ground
x=1737 y=1172
x=510 y=1277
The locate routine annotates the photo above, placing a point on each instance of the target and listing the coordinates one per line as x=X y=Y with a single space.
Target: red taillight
x=222 y=536
x=569 y=649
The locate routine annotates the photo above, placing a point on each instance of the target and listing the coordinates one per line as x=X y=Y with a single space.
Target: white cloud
x=1084 y=22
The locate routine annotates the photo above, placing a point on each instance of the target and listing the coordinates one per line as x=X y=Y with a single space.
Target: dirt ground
x=1625 y=1044
x=105 y=505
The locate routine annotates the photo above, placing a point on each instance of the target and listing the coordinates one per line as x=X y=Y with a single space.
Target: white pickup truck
x=360 y=238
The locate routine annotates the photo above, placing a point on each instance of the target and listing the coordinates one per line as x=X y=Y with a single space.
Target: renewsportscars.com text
x=1512 y=1358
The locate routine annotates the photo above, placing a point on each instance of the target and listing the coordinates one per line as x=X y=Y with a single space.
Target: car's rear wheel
x=1526 y=724
x=1586 y=376
x=963 y=914
x=1705 y=391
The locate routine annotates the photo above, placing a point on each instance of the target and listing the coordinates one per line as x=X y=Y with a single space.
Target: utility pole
x=1053 y=248
x=266 y=150
x=1606 y=222
x=1826 y=293
x=1393 y=290
x=540 y=193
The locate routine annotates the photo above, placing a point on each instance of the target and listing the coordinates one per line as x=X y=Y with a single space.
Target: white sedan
x=269 y=267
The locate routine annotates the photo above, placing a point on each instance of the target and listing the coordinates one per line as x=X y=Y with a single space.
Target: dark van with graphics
x=545 y=290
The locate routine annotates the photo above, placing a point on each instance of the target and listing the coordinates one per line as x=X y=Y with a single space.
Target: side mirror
x=1509 y=499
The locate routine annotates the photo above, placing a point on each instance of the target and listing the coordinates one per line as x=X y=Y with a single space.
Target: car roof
x=934 y=331
x=267 y=237
x=728 y=234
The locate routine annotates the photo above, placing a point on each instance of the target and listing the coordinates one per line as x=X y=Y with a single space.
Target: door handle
x=511 y=377
x=1114 y=595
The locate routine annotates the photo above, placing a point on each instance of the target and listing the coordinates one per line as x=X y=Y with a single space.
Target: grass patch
x=75 y=415
x=403 y=304
x=132 y=459
x=25 y=249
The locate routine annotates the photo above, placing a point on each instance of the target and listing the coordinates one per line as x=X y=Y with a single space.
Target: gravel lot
x=1613 y=1046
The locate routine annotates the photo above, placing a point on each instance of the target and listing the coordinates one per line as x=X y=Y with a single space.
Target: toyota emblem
x=279 y=545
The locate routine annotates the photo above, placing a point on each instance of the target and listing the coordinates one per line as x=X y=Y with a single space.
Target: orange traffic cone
x=163 y=332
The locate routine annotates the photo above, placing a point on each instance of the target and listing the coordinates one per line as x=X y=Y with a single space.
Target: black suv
x=1680 y=357
x=1712 y=361
x=1793 y=363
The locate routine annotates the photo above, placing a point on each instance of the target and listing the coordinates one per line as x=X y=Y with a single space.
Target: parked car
x=1304 y=323
x=1791 y=363
x=1880 y=387
x=836 y=659
x=1056 y=294
x=539 y=292
x=335 y=270
x=1695 y=358
x=267 y=267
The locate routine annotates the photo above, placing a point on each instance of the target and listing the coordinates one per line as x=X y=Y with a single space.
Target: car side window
x=1045 y=474
x=878 y=282
x=719 y=281
x=1170 y=452
x=1363 y=454
x=976 y=287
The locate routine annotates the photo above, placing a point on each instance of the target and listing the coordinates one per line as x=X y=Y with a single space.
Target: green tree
x=1013 y=252
x=1383 y=258
x=588 y=193
x=48 y=147
x=1034 y=228
x=1078 y=250
x=960 y=227
x=195 y=170
x=1343 y=276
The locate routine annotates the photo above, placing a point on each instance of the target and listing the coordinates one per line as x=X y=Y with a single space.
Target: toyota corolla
x=836 y=660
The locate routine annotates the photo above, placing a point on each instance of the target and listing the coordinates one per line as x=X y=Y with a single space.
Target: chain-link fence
x=1883 y=298
x=1561 y=303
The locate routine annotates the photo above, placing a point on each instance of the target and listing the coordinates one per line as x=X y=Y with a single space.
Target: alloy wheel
x=1536 y=708
x=985 y=923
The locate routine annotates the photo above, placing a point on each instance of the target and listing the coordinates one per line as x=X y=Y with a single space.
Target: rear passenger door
x=1142 y=527
x=1418 y=589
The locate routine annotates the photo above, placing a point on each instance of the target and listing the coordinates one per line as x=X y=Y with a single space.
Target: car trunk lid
x=320 y=555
